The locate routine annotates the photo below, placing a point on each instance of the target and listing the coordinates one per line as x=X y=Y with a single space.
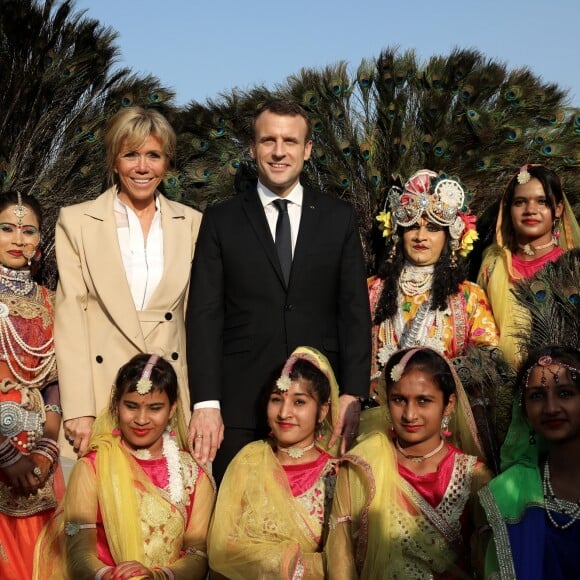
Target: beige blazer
x=97 y=328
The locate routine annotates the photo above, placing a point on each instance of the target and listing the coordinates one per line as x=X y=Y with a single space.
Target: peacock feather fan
x=552 y=302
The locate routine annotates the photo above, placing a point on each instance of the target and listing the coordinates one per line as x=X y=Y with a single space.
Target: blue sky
x=200 y=48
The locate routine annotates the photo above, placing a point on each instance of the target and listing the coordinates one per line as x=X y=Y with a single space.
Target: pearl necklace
x=9 y=339
x=552 y=503
x=415 y=280
x=19 y=282
x=296 y=452
x=530 y=250
x=418 y=458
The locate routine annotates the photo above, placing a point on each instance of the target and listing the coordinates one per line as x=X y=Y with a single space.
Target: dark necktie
x=283 y=238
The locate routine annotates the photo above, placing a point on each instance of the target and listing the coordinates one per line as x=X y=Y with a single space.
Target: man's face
x=280 y=148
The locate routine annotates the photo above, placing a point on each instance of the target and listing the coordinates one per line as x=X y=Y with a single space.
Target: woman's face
x=423 y=243
x=144 y=418
x=417 y=406
x=552 y=403
x=293 y=414
x=19 y=237
x=140 y=171
x=531 y=214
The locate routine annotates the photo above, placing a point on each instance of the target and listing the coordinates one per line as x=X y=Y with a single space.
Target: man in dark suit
x=263 y=283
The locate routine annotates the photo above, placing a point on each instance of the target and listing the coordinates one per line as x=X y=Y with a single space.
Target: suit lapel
x=106 y=267
x=257 y=218
x=176 y=255
x=308 y=227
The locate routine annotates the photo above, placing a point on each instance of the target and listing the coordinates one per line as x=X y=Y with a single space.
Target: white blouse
x=142 y=259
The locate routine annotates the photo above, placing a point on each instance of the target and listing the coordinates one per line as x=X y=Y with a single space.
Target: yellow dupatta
x=497 y=277
x=259 y=530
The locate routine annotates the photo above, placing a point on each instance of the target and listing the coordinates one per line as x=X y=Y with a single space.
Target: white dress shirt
x=295 y=197
x=142 y=259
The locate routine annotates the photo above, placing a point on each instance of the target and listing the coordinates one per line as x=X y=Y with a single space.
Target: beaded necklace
x=17 y=282
x=296 y=452
x=12 y=345
x=415 y=280
x=552 y=503
x=530 y=250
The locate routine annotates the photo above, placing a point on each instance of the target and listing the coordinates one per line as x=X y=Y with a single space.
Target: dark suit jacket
x=242 y=321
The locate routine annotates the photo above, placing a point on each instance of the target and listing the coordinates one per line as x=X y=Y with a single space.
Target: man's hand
x=347 y=423
x=206 y=433
x=78 y=433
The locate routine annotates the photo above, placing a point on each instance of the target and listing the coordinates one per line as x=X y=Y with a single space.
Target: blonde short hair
x=132 y=126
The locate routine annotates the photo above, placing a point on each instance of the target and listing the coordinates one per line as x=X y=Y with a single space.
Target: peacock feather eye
x=365 y=81
x=345 y=148
x=426 y=142
x=550 y=149
x=365 y=151
x=344 y=182
x=557 y=118
x=317 y=126
x=336 y=87
x=200 y=144
x=539 y=291
x=310 y=98
x=513 y=93
x=513 y=134
x=466 y=92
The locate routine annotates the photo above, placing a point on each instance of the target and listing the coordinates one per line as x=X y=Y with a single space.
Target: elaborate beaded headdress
x=439 y=198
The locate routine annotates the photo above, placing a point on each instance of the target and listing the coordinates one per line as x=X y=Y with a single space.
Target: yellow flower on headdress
x=385 y=223
x=467 y=241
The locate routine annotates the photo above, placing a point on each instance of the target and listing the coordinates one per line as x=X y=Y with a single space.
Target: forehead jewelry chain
x=19 y=210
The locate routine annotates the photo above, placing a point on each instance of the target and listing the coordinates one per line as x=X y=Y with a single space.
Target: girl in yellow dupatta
x=535 y=225
x=405 y=502
x=274 y=500
x=136 y=506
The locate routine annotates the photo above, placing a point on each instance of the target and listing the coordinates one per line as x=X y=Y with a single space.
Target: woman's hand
x=44 y=464
x=130 y=569
x=22 y=478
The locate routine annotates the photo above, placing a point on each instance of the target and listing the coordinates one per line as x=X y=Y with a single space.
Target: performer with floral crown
x=421 y=297
x=29 y=399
